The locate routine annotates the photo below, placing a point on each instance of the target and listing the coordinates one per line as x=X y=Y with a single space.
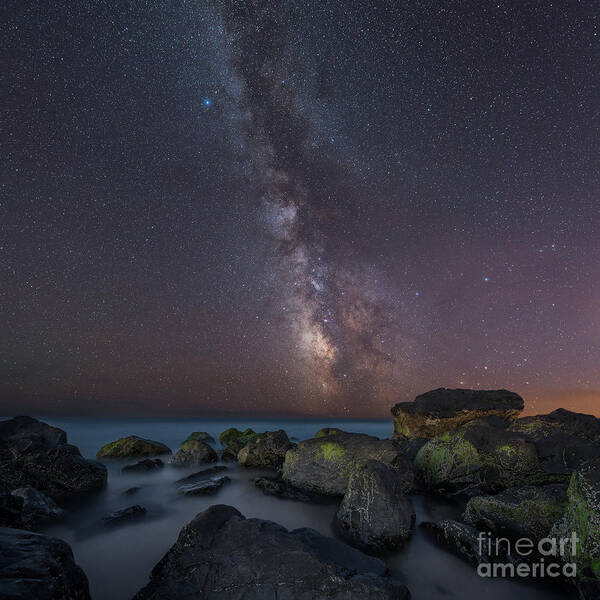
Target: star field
x=298 y=208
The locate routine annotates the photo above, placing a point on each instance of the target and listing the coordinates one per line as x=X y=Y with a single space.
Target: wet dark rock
x=266 y=450
x=441 y=410
x=132 y=446
x=324 y=465
x=131 y=491
x=124 y=515
x=36 y=506
x=194 y=452
x=220 y=555
x=146 y=465
x=38 y=567
x=35 y=454
x=200 y=475
x=201 y=436
x=203 y=487
x=528 y=511
x=275 y=486
x=11 y=509
x=375 y=515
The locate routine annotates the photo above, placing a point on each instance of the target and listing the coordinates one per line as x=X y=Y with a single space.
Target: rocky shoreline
x=514 y=477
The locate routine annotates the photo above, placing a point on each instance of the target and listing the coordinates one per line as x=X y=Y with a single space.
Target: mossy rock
x=194 y=452
x=328 y=431
x=233 y=434
x=201 y=436
x=132 y=446
x=265 y=450
x=324 y=465
x=528 y=511
x=582 y=516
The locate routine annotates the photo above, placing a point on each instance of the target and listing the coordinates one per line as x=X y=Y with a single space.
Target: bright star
x=486 y=279
x=207 y=102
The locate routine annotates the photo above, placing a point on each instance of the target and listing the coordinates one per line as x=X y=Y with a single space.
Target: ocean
x=118 y=560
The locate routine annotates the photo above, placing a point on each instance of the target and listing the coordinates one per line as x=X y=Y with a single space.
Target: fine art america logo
x=549 y=557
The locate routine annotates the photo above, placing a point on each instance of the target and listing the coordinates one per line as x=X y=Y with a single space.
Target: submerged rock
x=582 y=517
x=518 y=512
x=35 y=454
x=204 y=474
x=145 y=465
x=201 y=436
x=38 y=567
x=324 y=465
x=203 y=487
x=124 y=515
x=220 y=555
x=132 y=446
x=36 y=506
x=194 y=452
x=275 y=486
x=266 y=450
x=375 y=515
x=132 y=490
x=441 y=410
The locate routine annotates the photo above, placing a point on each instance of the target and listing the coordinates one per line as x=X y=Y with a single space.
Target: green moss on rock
x=132 y=446
x=232 y=434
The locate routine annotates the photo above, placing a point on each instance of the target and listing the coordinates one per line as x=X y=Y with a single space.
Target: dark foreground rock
x=528 y=512
x=220 y=555
x=324 y=465
x=132 y=446
x=38 y=567
x=441 y=410
x=266 y=450
x=124 y=515
x=203 y=487
x=194 y=452
x=36 y=506
x=11 y=509
x=146 y=465
x=375 y=515
x=35 y=454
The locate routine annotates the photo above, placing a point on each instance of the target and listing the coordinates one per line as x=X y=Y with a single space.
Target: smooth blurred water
x=118 y=561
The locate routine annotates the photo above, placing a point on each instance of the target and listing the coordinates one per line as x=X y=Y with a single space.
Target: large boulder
x=441 y=410
x=38 y=567
x=266 y=450
x=324 y=465
x=582 y=517
x=526 y=512
x=220 y=555
x=194 y=452
x=481 y=457
x=375 y=515
x=35 y=454
x=132 y=446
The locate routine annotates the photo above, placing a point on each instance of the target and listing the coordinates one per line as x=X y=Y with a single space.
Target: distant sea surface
x=118 y=561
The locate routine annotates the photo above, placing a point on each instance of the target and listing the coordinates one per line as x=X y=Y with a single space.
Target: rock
x=461 y=539
x=145 y=465
x=328 y=431
x=38 y=567
x=131 y=447
x=131 y=491
x=203 y=487
x=131 y=513
x=518 y=512
x=375 y=515
x=220 y=555
x=201 y=436
x=234 y=440
x=441 y=410
x=324 y=465
x=479 y=458
x=275 y=486
x=35 y=454
x=582 y=517
x=11 y=509
x=204 y=474
x=266 y=450
x=194 y=452
x=36 y=506
x=586 y=427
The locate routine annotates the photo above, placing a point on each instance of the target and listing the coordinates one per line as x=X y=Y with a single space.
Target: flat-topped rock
x=38 y=567
x=441 y=410
x=324 y=465
x=34 y=454
x=124 y=515
x=203 y=487
x=220 y=555
x=132 y=446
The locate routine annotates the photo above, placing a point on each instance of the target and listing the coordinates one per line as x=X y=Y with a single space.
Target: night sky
x=298 y=208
